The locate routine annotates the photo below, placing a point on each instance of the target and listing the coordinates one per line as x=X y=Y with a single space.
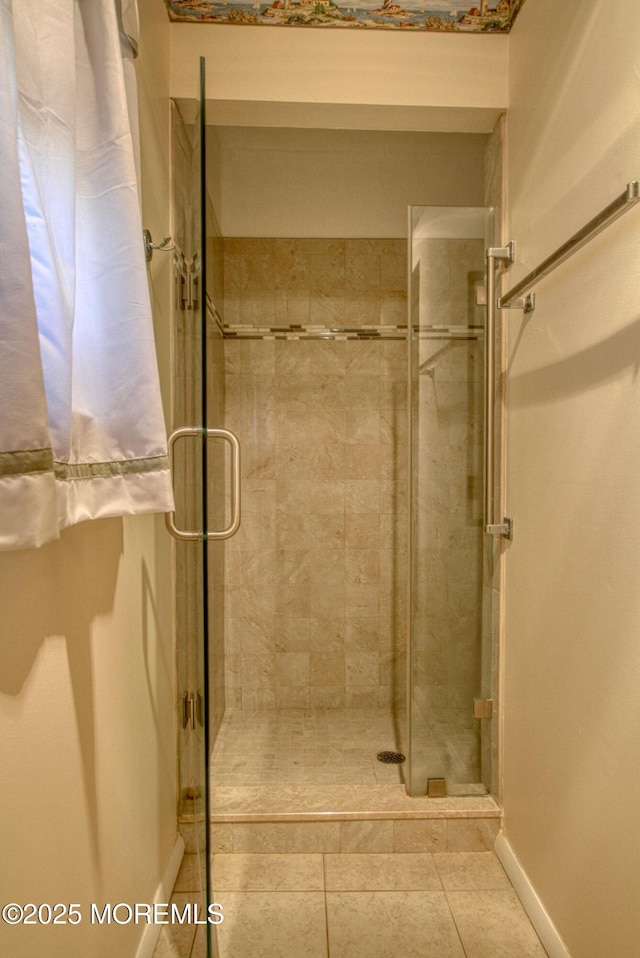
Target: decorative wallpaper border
x=434 y=16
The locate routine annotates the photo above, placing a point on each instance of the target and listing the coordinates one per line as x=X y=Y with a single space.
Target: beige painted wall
x=572 y=659
x=338 y=183
x=87 y=804
x=350 y=79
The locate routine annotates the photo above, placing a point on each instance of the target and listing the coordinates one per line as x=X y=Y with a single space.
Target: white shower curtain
x=81 y=427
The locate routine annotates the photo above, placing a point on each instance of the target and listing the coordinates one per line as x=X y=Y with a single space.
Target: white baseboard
x=534 y=908
x=163 y=893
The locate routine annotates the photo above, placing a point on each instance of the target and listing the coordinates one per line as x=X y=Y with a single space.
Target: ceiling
x=434 y=16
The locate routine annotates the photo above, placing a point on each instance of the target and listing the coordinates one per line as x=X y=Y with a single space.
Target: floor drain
x=390 y=758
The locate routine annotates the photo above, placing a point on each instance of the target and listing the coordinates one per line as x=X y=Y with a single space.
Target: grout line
x=453 y=917
x=326 y=904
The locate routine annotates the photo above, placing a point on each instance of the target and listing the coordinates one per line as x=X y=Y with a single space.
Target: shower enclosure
x=450 y=647
x=350 y=613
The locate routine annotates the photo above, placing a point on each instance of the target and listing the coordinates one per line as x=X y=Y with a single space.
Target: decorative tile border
x=297 y=332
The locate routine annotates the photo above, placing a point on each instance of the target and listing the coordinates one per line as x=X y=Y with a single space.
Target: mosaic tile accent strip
x=295 y=332
x=244 y=331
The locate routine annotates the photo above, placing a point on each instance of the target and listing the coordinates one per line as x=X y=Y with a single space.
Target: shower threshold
x=337 y=782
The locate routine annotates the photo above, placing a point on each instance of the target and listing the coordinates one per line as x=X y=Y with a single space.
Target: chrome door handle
x=198 y=535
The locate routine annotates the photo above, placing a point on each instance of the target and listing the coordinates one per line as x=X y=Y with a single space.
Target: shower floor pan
x=310 y=781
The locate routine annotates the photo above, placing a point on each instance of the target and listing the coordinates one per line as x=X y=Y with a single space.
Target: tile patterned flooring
x=414 y=905
x=305 y=747
x=364 y=897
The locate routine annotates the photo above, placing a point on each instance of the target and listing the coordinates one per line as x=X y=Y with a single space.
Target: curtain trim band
x=24 y=461
x=66 y=471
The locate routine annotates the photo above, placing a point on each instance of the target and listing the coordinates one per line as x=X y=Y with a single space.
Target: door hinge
x=188 y=710
x=192 y=709
x=187 y=278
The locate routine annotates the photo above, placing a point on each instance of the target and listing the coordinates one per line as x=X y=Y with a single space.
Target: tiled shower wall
x=316 y=576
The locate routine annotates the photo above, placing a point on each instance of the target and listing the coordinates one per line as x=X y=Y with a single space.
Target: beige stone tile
x=375 y=872
x=292 y=599
x=313 y=837
x=468 y=871
x=292 y=633
x=326 y=496
x=362 y=358
x=221 y=836
x=361 y=668
x=251 y=635
x=327 y=566
x=361 y=697
x=258 y=671
x=293 y=496
x=366 y=836
x=362 y=531
x=493 y=924
x=175 y=940
x=292 y=669
x=191 y=834
x=362 y=461
x=428 y=835
x=189 y=878
x=255 y=837
x=361 y=634
x=393 y=268
x=267 y=873
x=393 y=309
x=327 y=669
x=327 y=269
x=362 y=566
x=292 y=306
x=258 y=699
x=326 y=632
x=327 y=697
x=361 y=600
x=363 y=426
x=363 y=270
x=291 y=697
x=327 y=601
x=387 y=924
x=250 y=601
x=272 y=925
x=472 y=834
x=362 y=496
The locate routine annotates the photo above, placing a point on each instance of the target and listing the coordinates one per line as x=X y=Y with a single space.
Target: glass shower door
x=187 y=524
x=450 y=654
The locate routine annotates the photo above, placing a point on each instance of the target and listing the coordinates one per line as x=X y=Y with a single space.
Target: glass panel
x=447 y=250
x=190 y=481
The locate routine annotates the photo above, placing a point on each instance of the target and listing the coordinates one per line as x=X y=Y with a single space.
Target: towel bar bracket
x=526 y=303
x=506 y=253
x=504 y=529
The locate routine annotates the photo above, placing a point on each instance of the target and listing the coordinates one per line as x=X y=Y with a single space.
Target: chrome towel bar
x=495 y=255
x=620 y=205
